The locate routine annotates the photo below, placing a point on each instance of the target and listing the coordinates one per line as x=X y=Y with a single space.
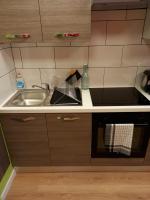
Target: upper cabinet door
x=18 y=19
x=65 y=16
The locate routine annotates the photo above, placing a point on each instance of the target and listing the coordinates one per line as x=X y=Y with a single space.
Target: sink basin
x=39 y=97
x=29 y=98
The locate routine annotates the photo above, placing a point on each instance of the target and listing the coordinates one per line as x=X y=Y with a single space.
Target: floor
x=81 y=186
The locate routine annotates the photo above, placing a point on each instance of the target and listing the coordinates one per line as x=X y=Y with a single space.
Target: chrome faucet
x=47 y=88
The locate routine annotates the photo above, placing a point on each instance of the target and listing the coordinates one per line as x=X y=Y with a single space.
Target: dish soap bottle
x=20 y=84
x=85 y=78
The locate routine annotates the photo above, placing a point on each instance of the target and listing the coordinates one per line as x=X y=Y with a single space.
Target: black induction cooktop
x=129 y=96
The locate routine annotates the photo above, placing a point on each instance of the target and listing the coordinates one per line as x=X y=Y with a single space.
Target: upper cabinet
x=20 y=21
x=60 y=17
x=45 y=20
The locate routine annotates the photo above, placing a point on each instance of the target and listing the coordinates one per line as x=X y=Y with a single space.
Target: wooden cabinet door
x=26 y=136
x=147 y=157
x=70 y=138
x=19 y=17
x=4 y=159
x=65 y=16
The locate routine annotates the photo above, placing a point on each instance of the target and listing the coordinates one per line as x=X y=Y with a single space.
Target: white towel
x=118 y=138
x=123 y=138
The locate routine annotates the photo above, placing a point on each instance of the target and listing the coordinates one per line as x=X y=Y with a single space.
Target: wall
x=116 y=53
x=7 y=73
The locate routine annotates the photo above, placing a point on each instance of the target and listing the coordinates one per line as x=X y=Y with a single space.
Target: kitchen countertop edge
x=87 y=107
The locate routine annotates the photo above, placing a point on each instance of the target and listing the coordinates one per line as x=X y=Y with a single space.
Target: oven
x=120 y=135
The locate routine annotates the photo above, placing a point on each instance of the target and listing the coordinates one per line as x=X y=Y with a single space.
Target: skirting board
x=83 y=169
x=8 y=185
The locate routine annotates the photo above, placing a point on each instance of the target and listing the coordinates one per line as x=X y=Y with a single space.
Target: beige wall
x=115 y=54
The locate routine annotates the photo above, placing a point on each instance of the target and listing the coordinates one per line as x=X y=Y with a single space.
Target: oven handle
x=141 y=124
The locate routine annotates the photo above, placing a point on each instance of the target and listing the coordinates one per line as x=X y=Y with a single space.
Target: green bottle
x=85 y=78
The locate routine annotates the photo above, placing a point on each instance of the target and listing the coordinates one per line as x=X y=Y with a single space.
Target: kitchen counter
x=87 y=107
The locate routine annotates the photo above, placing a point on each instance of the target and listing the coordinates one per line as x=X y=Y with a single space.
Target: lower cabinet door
x=69 y=138
x=27 y=140
x=4 y=159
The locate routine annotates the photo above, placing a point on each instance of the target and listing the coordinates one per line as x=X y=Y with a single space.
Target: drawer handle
x=68 y=118
x=27 y=119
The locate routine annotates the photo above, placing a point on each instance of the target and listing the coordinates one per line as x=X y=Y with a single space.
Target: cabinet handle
x=68 y=118
x=67 y=35
x=27 y=119
x=17 y=36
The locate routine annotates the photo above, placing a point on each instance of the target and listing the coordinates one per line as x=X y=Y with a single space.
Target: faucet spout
x=47 y=88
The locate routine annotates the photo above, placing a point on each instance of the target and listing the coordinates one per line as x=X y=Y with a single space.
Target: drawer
x=24 y=127
x=68 y=122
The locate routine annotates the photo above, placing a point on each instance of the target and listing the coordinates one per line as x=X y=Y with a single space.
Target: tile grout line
x=21 y=57
x=40 y=20
x=40 y=76
x=8 y=73
x=88 y=55
x=106 y=32
x=13 y=61
x=54 y=56
x=143 y=28
x=121 y=63
x=135 y=80
x=104 y=76
x=100 y=45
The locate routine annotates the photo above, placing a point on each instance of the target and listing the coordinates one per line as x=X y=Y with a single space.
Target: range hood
x=118 y=4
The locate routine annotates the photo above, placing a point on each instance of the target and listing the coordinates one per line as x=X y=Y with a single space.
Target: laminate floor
x=81 y=186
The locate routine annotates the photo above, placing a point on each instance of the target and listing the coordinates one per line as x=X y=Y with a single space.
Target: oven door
x=140 y=136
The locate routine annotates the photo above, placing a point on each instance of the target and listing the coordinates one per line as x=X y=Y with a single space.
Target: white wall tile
x=48 y=76
x=120 y=77
x=80 y=44
x=17 y=57
x=6 y=61
x=30 y=76
x=50 y=44
x=3 y=46
x=124 y=32
x=23 y=44
x=105 y=56
x=136 y=14
x=7 y=86
x=71 y=57
x=55 y=77
x=38 y=57
x=109 y=15
x=136 y=55
x=98 y=33
x=96 y=76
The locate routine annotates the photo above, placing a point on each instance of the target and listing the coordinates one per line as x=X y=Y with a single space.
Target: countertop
x=87 y=107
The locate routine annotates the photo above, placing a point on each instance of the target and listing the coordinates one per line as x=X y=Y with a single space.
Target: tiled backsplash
x=116 y=54
x=7 y=73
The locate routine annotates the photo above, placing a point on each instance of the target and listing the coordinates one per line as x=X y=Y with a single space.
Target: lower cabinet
x=26 y=137
x=4 y=159
x=48 y=139
x=70 y=138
